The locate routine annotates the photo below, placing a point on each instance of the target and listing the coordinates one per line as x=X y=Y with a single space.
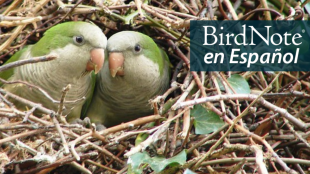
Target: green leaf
x=156 y=163
x=188 y=171
x=160 y=163
x=135 y=161
x=205 y=121
x=238 y=83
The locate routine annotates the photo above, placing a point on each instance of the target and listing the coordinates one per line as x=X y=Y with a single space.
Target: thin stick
x=27 y=61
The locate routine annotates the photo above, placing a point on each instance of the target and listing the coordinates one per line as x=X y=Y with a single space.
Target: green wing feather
x=167 y=61
x=8 y=73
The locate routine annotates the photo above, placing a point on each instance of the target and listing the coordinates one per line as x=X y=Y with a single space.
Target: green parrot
x=80 y=47
x=136 y=71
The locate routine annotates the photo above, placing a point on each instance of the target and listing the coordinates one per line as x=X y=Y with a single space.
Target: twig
x=181 y=6
x=12 y=37
x=23 y=145
x=175 y=132
x=130 y=124
x=294 y=81
x=153 y=12
x=80 y=167
x=161 y=10
x=298 y=136
x=100 y=149
x=12 y=6
x=258 y=10
x=179 y=53
x=249 y=97
x=187 y=124
x=27 y=102
x=27 y=61
x=231 y=9
x=222 y=10
x=72 y=144
x=10 y=104
x=301 y=171
x=139 y=4
x=41 y=90
x=61 y=104
x=28 y=113
x=160 y=129
x=304 y=3
x=59 y=130
x=184 y=94
x=101 y=166
x=253 y=159
x=66 y=160
x=233 y=124
x=21 y=135
x=176 y=72
x=21 y=22
x=201 y=142
x=199 y=83
x=267 y=13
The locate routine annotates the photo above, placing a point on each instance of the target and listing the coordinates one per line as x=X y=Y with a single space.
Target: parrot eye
x=137 y=48
x=79 y=40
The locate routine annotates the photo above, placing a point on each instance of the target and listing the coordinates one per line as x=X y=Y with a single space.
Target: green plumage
x=146 y=75
x=7 y=74
x=68 y=68
x=57 y=37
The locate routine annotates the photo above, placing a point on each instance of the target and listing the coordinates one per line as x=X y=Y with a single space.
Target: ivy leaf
x=160 y=163
x=156 y=163
x=135 y=161
x=205 y=121
x=238 y=83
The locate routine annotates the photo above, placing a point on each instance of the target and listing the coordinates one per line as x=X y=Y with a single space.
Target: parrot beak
x=116 y=64
x=96 y=60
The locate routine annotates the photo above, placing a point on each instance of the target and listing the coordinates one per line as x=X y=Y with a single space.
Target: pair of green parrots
x=131 y=70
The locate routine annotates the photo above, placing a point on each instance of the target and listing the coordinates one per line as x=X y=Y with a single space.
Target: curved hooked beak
x=96 y=60
x=116 y=64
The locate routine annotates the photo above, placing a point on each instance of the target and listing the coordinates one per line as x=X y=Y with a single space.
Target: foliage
x=205 y=121
x=156 y=163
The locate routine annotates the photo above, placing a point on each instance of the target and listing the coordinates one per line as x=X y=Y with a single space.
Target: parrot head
x=80 y=47
x=126 y=47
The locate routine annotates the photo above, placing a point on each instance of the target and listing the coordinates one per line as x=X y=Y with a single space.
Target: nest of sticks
x=267 y=133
